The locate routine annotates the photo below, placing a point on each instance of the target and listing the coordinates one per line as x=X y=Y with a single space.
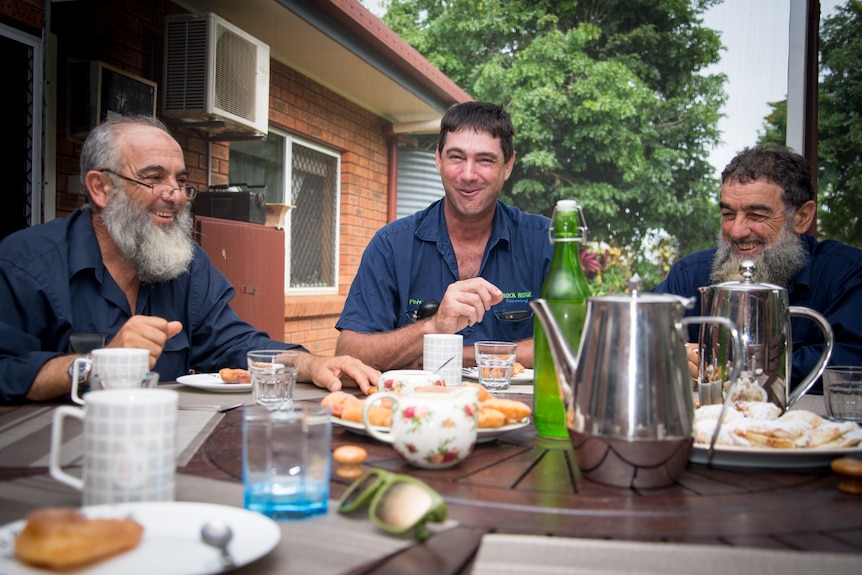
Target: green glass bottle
x=566 y=291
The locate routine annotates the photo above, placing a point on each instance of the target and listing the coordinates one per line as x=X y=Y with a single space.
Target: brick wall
x=129 y=34
x=301 y=107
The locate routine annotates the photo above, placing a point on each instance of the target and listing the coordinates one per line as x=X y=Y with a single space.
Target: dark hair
x=777 y=164
x=482 y=117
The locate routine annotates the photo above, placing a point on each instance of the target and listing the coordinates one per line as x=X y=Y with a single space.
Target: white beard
x=157 y=253
x=776 y=264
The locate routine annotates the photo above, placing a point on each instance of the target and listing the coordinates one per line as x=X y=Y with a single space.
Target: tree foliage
x=839 y=149
x=840 y=125
x=609 y=101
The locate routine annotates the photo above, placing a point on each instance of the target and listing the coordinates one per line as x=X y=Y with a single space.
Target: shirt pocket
x=515 y=324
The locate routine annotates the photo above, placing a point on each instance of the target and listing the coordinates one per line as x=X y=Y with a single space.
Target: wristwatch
x=83 y=370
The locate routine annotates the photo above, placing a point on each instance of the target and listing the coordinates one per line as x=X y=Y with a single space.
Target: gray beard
x=157 y=253
x=776 y=264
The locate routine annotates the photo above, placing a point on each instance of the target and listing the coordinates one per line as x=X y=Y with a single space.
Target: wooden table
x=523 y=484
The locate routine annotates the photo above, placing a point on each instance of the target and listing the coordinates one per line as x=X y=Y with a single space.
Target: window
x=311 y=226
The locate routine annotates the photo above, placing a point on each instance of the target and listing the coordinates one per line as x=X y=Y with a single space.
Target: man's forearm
x=52 y=380
x=397 y=349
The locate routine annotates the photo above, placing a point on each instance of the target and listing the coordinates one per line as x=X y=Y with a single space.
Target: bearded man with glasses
x=125 y=266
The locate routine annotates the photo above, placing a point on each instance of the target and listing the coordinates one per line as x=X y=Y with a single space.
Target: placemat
x=536 y=555
x=25 y=436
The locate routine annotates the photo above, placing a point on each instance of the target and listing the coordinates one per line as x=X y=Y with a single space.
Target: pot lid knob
x=746 y=270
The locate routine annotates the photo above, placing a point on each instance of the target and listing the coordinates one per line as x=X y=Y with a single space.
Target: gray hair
x=101 y=152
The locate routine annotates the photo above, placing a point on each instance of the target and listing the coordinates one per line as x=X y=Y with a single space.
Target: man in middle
x=482 y=260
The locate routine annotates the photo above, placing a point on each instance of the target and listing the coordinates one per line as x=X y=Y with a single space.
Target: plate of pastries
x=757 y=434
x=496 y=415
x=131 y=538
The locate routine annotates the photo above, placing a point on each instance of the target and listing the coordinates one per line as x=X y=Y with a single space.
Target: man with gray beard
x=767 y=205
x=126 y=268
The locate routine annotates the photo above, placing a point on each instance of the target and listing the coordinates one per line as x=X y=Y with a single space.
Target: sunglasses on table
x=396 y=503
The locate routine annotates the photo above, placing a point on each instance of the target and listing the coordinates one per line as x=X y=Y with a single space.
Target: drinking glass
x=273 y=376
x=494 y=361
x=285 y=460
x=842 y=392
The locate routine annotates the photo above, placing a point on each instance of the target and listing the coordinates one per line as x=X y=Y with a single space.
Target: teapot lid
x=636 y=296
x=747 y=268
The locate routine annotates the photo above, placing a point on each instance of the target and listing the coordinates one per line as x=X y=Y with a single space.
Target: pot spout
x=565 y=362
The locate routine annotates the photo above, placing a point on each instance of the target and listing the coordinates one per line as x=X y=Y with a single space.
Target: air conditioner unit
x=216 y=76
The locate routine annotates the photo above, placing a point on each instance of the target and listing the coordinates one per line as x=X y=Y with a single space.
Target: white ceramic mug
x=129 y=445
x=115 y=368
x=439 y=348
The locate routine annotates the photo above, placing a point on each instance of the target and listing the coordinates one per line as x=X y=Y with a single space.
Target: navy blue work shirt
x=830 y=283
x=412 y=260
x=53 y=283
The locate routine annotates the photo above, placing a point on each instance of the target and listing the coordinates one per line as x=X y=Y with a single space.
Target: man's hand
x=327 y=372
x=692 y=350
x=146 y=332
x=464 y=304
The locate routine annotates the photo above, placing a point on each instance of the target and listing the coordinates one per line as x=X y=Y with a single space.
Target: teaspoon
x=442 y=365
x=218 y=534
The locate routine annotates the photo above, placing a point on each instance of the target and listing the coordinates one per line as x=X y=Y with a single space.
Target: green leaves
x=840 y=130
x=608 y=101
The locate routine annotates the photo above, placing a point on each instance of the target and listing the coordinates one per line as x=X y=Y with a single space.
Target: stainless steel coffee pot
x=628 y=391
x=762 y=315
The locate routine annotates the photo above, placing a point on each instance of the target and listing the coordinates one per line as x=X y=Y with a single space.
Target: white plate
x=212 y=382
x=171 y=544
x=768 y=458
x=521 y=378
x=483 y=435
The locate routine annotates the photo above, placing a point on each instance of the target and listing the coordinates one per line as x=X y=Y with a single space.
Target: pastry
x=229 y=375
x=337 y=400
x=490 y=418
x=760 y=424
x=61 y=538
x=514 y=410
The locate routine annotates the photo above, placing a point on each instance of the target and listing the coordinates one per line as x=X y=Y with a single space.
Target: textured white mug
x=439 y=348
x=129 y=445
x=114 y=368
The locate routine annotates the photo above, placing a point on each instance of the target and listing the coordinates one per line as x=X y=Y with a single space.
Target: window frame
x=286 y=198
x=290 y=140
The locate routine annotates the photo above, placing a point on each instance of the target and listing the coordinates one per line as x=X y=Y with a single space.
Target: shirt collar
x=84 y=252
x=432 y=225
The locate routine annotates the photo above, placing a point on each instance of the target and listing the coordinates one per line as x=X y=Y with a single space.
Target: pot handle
x=828 y=338
x=733 y=374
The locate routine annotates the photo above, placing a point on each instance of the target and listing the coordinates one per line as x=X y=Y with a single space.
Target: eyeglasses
x=167 y=190
x=397 y=503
